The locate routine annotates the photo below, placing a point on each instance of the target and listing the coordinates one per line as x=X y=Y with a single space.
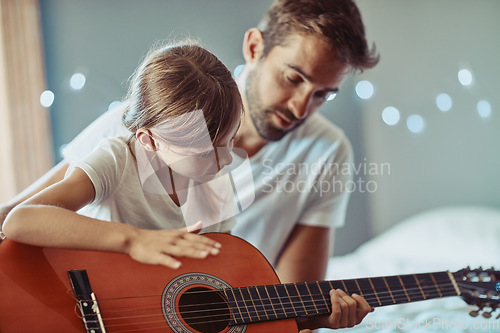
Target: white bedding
x=444 y=239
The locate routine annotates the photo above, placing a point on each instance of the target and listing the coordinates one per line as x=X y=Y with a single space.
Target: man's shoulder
x=117 y=143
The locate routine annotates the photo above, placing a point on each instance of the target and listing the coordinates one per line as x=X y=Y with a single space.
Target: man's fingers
x=363 y=308
x=344 y=318
x=335 y=317
x=351 y=308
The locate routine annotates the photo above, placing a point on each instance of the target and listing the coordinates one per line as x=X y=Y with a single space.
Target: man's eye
x=326 y=96
x=293 y=80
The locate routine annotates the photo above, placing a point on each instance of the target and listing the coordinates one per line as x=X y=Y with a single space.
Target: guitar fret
x=429 y=285
x=359 y=288
x=412 y=288
x=390 y=291
x=324 y=296
x=285 y=301
x=404 y=288
x=382 y=292
x=238 y=307
x=257 y=303
x=312 y=297
x=247 y=305
x=303 y=310
x=345 y=287
x=295 y=298
x=275 y=302
x=318 y=299
x=306 y=298
x=445 y=276
x=253 y=303
x=420 y=286
x=351 y=287
x=266 y=303
x=376 y=294
x=231 y=307
x=436 y=285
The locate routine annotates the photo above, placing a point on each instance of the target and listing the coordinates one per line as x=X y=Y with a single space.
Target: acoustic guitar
x=56 y=290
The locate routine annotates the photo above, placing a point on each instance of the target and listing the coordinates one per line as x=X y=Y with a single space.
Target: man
x=297 y=58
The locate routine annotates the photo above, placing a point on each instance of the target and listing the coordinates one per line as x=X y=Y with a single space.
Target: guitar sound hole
x=204 y=309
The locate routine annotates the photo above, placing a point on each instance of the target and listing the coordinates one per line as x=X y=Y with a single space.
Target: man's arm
x=305 y=254
x=305 y=258
x=53 y=176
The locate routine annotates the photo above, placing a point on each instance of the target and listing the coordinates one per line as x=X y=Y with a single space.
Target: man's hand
x=347 y=311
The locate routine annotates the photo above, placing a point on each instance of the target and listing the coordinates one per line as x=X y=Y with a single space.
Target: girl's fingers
x=195 y=228
x=200 y=239
x=190 y=245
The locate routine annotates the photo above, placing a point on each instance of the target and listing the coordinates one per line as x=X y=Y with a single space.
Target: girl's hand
x=159 y=247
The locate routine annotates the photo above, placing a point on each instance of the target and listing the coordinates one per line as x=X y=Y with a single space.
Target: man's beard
x=260 y=115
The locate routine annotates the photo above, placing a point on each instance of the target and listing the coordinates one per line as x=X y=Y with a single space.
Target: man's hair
x=338 y=21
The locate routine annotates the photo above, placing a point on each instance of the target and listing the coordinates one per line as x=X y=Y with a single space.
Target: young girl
x=182 y=103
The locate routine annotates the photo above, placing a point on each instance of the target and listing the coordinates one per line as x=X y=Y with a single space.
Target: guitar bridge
x=87 y=302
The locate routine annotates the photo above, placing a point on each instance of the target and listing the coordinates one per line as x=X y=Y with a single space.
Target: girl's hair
x=176 y=79
x=338 y=21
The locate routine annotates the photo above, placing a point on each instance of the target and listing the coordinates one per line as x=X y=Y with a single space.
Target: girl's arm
x=50 y=219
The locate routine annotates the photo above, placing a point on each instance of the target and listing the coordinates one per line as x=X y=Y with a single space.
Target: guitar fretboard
x=281 y=301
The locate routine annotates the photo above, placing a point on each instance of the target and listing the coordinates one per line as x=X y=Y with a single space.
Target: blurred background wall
x=423 y=137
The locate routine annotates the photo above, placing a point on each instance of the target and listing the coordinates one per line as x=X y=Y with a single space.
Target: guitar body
x=36 y=293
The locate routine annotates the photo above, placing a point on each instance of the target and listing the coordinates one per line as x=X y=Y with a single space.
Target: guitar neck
x=292 y=300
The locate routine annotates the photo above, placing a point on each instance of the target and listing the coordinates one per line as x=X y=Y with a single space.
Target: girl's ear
x=253 y=45
x=145 y=139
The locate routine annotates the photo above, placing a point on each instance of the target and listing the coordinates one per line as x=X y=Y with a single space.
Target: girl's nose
x=224 y=156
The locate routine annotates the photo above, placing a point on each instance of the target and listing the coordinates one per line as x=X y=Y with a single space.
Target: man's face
x=290 y=83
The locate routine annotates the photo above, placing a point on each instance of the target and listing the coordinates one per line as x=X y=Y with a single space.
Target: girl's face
x=199 y=163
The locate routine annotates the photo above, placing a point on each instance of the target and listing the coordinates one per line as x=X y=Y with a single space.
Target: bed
x=449 y=238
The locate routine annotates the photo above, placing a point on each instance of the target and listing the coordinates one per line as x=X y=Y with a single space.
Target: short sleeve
x=104 y=166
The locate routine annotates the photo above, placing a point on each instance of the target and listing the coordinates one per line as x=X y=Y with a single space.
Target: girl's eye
x=206 y=154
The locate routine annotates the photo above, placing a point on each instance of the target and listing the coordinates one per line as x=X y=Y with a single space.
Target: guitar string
x=295 y=296
x=368 y=297
x=257 y=312
x=409 y=287
x=303 y=298
x=310 y=306
x=371 y=298
x=197 y=323
x=248 y=314
x=430 y=283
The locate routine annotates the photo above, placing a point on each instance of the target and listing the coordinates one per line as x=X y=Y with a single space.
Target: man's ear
x=145 y=139
x=253 y=45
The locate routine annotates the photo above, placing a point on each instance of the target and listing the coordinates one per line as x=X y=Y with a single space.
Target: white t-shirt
x=120 y=194
x=299 y=179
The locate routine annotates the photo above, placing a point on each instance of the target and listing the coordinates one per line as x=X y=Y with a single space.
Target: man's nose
x=299 y=105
